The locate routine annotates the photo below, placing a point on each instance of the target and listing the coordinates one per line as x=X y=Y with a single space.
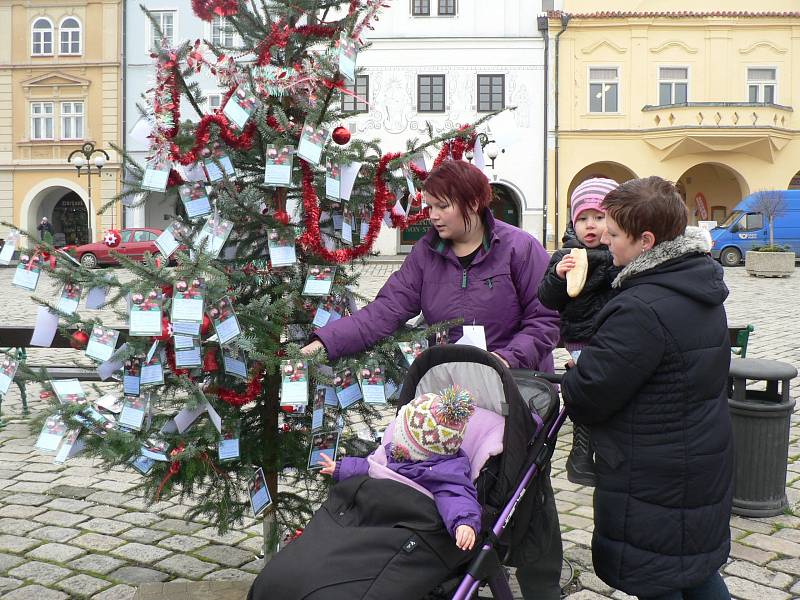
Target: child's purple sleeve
x=454 y=493
x=350 y=466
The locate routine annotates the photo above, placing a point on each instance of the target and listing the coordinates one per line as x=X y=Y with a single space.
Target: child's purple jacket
x=499 y=290
x=446 y=477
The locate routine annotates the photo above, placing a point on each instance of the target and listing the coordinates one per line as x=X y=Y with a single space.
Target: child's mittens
x=576 y=277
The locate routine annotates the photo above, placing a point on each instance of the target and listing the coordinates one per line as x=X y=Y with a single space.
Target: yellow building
x=698 y=96
x=60 y=86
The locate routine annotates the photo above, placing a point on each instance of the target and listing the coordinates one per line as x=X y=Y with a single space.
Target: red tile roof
x=684 y=14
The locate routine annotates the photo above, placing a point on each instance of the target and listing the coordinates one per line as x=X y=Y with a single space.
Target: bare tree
x=771 y=204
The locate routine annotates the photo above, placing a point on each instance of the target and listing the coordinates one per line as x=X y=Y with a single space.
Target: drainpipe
x=564 y=22
x=541 y=23
x=124 y=95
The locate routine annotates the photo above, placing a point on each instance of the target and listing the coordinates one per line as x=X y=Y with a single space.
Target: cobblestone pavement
x=76 y=531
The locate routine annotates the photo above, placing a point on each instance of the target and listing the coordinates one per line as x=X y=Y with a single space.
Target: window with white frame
x=41 y=120
x=69 y=35
x=165 y=19
x=421 y=8
x=761 y=84
x=491 y=92
x=42 y=37
x=447 y=8
x=356 y=100
x=604 y=89
x=221 y=32
x=213 y=101
x=673 y=85
x=430 y=93
x=72 y=120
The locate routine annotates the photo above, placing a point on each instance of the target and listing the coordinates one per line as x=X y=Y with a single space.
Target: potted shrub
x=770 y=260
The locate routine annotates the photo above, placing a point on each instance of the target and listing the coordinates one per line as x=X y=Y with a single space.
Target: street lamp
x=491 y=149
x=84 y=158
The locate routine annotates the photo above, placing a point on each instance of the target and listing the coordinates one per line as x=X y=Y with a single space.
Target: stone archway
x=70 y=220
x=41 y=200
x=506 y=204
x=607 y=169
x=794 y=182
x=711 y=191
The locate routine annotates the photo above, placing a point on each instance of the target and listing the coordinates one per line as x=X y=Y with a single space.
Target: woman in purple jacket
x=470 y=267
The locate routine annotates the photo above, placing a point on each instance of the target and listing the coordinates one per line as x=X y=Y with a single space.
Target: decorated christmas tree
x=276 y=200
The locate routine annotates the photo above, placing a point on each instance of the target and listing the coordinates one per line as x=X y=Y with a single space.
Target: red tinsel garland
x=252 y=391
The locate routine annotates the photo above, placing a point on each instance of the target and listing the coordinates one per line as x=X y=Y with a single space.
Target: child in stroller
x=379 y=537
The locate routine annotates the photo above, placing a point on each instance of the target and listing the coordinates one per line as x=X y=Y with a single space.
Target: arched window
x=42 y=38
x=70 y=36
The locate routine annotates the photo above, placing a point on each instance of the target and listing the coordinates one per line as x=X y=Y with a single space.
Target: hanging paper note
x=9 y=247
x=219 y=166
x=282 y=251
x=27 y=272
x=213 y=236
x=312 y=141
x=224 y=319
x=228 y=445
x=240 y=107
x=101 y=422
x=145 y=313
x=51 y=434
x=347 y=389
x=187 y=306
x=110 y=402
x=188 y=357
x=70 y=446
x=172 y=237
x=411 y=350
x=318 y=410
x=195 y=200
x=70 y=298
x=373 y=384
x=155 y=176
x=102 y=342
x=333 y=180
x=347 y=226
x=418 y=160
x=326 y=442
x=46 y=327
x=319 y=281
x=278 y=169
x=8 y=368
x=143 y=464
x=133 y=413
x=152 y=371
x=294 y=383
x=234 y=362
x=132 y=376
x=69 y=391
x=348 y=178
x=192 y=172
x=96 y=297
x=259 y=494
x=323 y=312
x=347 y=58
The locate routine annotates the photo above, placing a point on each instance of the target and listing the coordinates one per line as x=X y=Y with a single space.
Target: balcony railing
x=719 y=115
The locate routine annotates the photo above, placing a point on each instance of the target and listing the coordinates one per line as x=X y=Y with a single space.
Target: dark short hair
x=648 y=204
x=461 y=183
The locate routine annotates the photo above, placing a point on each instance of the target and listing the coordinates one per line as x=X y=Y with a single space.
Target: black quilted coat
x=652 y=383
x=578 y=315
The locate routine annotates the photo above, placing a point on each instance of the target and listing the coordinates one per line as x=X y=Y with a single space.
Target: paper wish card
x=9 y=247
x=96 y=298
x=228 y=444
x=240 y=107
x=333 y=180
x=193 y=172
x=172 y=237
x=187 y=303
x=188 y=358
x=294 y=382
x=373 y=380
x=411 y=350
x=224 y=319
x=133 y=412
x=70 y=298
x=282 y=252
x=101 y=422
x=258 y=492
x=143 y=464
x=347 y=389
x=349 y=173
x=26 y=275
x=319 y=281
x=155 y=176
x=219 y=166
x=213 y=236
x=278 y=166
x=68 y=391
x=51 y=434
x=132 y=376
x=348 y=224
x=418 y=160
x=234 y=362
x=323 y=312
x=318 y=409
x=326 y=442
x=312 y=142
x=8 y=368
x=348 y=51
x=152 y=371
x=102 y=342
x=195 y=200
x=71 y=445
x=145 y=313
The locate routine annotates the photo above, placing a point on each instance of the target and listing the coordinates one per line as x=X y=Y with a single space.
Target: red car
x=135 y=242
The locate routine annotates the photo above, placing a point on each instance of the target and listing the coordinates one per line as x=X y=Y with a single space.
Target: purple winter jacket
x=499 y=290
x=446 y=477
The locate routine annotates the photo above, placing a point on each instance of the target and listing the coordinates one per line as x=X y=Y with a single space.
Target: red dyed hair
x=461 y=183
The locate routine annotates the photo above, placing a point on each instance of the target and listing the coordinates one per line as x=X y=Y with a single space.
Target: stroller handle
x=551 y=377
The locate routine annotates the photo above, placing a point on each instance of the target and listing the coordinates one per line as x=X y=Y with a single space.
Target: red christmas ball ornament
x=206 y=326
x=210 y=363
x=341 y=135
x=79 y=339
x=112 y=238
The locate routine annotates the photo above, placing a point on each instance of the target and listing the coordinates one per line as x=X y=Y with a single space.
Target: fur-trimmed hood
x=694 y=241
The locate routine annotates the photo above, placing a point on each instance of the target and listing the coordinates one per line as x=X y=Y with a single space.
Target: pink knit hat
x=590 y=194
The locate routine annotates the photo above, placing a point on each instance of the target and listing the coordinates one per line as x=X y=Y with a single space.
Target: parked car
x=134 y=244
x=745 y=228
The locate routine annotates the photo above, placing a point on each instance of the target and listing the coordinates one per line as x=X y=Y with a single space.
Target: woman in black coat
x=652 y=384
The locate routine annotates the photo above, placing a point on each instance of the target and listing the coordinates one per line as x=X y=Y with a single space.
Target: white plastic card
x=312 y=141
x=51 y=434
x=155 y=177
x=278 y=166
x=282 y=252
x=46 y=326
x=102 y=342
x=145 y=313
x=319 y=281
x=348 y=52
x=195 y=200
x=213 y=236
x=294 y=382
x=69 y=299
x=259 y=494
x=224 y=319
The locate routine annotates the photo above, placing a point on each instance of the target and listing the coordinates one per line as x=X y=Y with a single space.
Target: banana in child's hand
x=577 y=276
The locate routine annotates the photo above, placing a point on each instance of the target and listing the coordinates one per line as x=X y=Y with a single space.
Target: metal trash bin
x=761 y=421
